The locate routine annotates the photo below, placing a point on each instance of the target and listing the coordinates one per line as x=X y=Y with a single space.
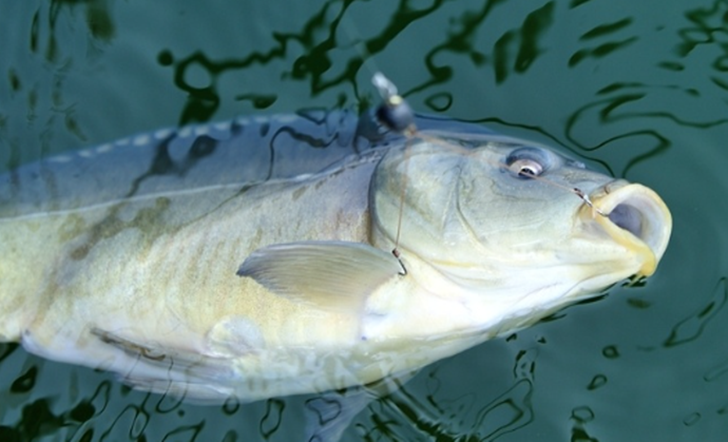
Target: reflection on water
x=44 y=26
x=527 y=37
x=443 y=416
x=111 y=411
x=690 y=328
x=602 y=48
x=318 y=38
x=634 y=88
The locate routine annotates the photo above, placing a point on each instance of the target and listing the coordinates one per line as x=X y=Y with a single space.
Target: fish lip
x=635 y=217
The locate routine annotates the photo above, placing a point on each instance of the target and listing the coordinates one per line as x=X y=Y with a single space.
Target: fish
x=252 y=258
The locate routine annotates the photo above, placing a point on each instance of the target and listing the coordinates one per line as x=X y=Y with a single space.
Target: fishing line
x=523 y=172
x=395 y=114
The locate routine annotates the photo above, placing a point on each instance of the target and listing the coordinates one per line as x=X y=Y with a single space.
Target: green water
x=637 y=89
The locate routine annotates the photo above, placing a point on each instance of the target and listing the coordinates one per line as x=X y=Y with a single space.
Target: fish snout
x=635 y=217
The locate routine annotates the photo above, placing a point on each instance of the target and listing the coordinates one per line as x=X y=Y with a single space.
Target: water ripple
x=716 y=372
x=445 y=418
x=690 y=328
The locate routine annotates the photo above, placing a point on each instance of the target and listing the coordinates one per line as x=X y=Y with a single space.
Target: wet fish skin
x=143 y=277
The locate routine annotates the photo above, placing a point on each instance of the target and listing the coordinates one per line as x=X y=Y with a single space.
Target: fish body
x=252 y=259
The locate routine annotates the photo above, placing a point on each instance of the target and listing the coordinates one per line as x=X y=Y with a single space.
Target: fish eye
x=526 y=162
x=526 y=167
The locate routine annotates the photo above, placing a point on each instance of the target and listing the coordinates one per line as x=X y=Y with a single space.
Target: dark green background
x=638 y=89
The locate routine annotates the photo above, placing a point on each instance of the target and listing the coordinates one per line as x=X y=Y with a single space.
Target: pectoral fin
x=331 y=275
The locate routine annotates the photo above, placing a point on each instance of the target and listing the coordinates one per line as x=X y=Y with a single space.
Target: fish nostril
x=628 y=218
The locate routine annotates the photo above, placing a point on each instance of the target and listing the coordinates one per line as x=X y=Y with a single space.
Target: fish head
x=514 y=221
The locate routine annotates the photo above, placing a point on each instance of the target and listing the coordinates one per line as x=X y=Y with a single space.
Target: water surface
x=635 y=89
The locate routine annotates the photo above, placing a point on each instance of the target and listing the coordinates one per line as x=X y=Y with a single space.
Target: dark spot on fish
x=80 y=252
x=298 y=192
x=236 y=128
x=203 y=146
x=127 y=346
x=162 y=162
x=264 y=129
x=304 y=137
x=317 y=116
x=146 y=220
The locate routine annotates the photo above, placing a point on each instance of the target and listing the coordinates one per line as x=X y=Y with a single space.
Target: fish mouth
x=635 y=217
